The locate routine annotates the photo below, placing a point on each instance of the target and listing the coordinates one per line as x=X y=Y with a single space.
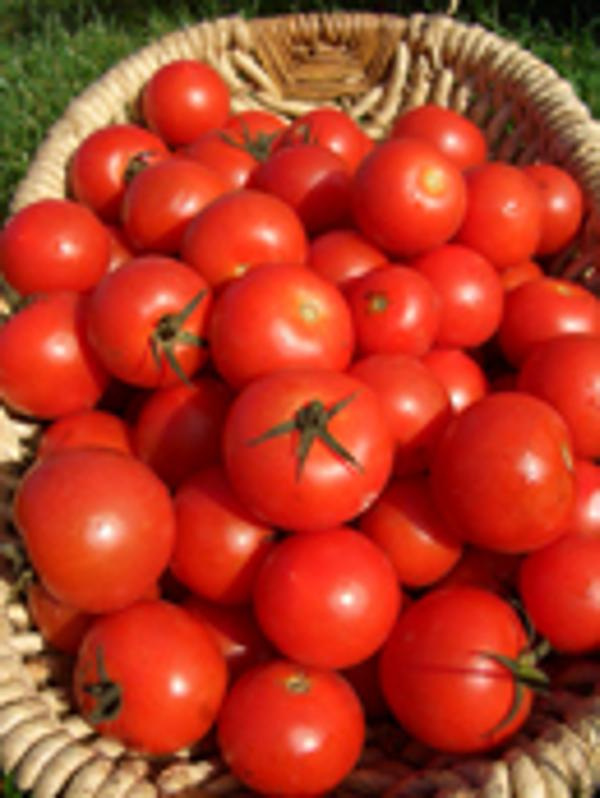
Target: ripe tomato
x=86 y=531
x=219 y=546
x=61 y=626
x=542 y=309
x=47 y=367
x=120 y=249
x=327 y=599
x=318 y=439
x=184 y=99
x=503 y=219
x=254 y=124
x=490 y=570
x=584 y=518
x=471 y=293
x=331 y=128
x=86 y=428
x=462 y=377
x=146 y=321
x=279 y=316
x=177 y=430
x=54 y=245
x=523 y=272
x=455 y=136
x=219 y=151
x=106 y=160
x=562 y=205
x=341 y=256
x=396 y=310
x=415 y=404
x=404 y=522
x=260 y=229
x=565 y=372
x=407 y=197
x=440 y=673
x=161 y=200
x=179 y=682
x=502 y=473
x=286 y=729
x=559 y=586
x=314 y=181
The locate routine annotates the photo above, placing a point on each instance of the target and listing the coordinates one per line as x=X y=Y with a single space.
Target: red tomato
x=86 y=428
x=120 y=249
x=260 y=229
x=559 y=586
x=86 y=530
x=61 y=626
x=503 y=219
x=219 y=151
x=502 y=473
x=279 y=316
x=565 y=372
x=47 y=367
x=54 y=245
x=312 y=180
x=462 y=377
x=161 y=200
x=254 y=124
x=415 y=404
x=407 y=197
x=396 y=311
x=105 y=161
x=148 y=317
x=318 y=439
x=184 y=99
x=331 y=128
x=327 y=599
x=440 y=674
x=177 y=430
x=490 y=570
x=523 y=272
x=455 y=136
x=471 y=293
x=364 y=678
x=562 y=203
x=584 y=518
x=341 y=256
x=219 y=546
x=179 y=682
x=542 y=309
x=288 y=730
x=404 y=522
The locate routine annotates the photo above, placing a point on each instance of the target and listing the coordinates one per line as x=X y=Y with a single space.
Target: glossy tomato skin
x=439 y=676
x=161 y=200
x=523 y=272
x=455 y=136
x=261 y=229
x=219 y=546
x=542 y=309
x=327 y=489
x=343 y=255
x=47 y=367
x=98 y=170
x=396 y=310
x=286 y=729
x=181 y=684
x=471 y=294
x=584 y=518
x=562 y=203
x=177 y=430
x=127 y=308
x=217 y=151
x=183 y=99
x=86 y=428
x=54 y=245
x=62 y=627
x=565 y=372
x=407 y=197
x=252 y=123
x=503 y=218
x=406 y=525
x=327 y=599
x=95 y=545
x=279 y=316
x=462 y=376
x=559 y=587
x=502 y=473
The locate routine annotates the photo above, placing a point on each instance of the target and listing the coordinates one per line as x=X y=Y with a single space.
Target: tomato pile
x=319 y=435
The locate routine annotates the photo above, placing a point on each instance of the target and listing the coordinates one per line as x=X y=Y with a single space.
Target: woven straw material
x=372 y=66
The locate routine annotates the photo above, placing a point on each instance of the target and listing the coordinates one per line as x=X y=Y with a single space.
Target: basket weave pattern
x=371 y=65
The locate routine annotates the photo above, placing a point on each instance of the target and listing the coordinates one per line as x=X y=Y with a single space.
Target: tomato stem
x=107 y=694
x=168 y=333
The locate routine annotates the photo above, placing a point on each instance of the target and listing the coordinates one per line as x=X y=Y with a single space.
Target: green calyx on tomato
x=258 y=146
x=138 y=163
x=168 y=333
x=311 y=421
x=107 y=694
x=298 y=682
x=377 y=302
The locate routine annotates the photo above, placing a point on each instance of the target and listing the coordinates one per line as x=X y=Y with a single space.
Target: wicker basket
x=371 y=65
